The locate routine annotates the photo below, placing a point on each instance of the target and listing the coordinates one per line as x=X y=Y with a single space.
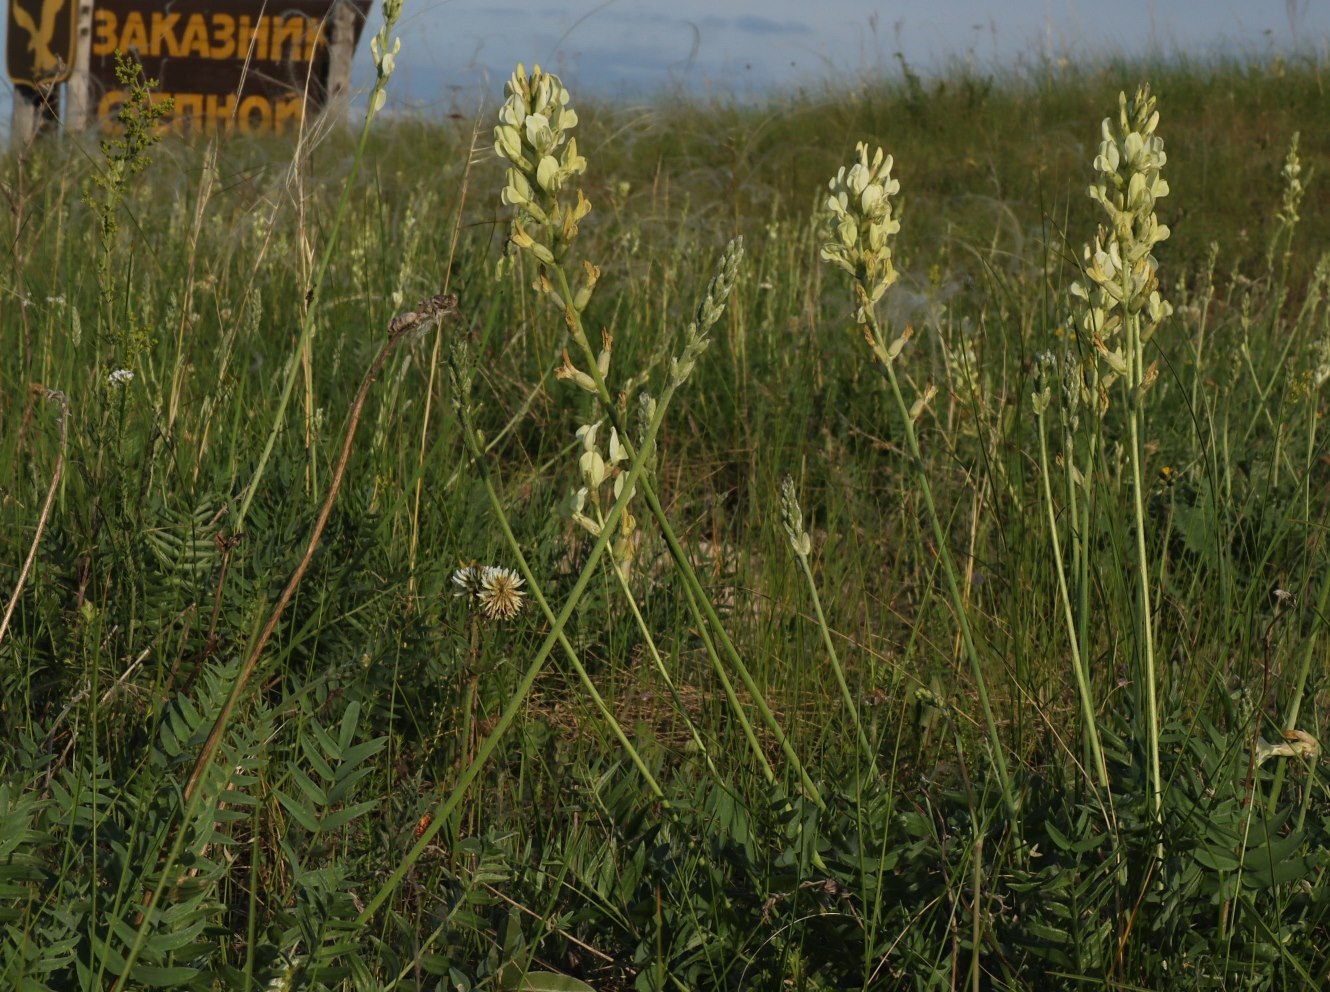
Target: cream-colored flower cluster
x=1120 y=266
x=1294 y=188
x=602 y=469
x=603 y=472
x=533 y=137
x=596 y=467
x=860 y=222
x=384 y=49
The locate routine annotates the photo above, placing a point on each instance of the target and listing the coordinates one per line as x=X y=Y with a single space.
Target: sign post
x=248 y=65
x=78 y=93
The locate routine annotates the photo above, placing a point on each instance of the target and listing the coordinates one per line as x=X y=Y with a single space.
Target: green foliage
x=408 y=795
x=125 y=157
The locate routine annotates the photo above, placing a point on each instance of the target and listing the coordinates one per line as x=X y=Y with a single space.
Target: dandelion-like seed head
x=501 y=595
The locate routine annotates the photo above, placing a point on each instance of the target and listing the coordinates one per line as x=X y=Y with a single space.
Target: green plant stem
x=434 y=363
x=873 y=333
x=1300 y=688
x=1134 y=382
x=1081 y=516
x=836 y=668
x=713 y=621
x=660 y=667
x=686 y=569
x=443 y=810
x=534 y=586
x=727 y=685
x=1073 y=635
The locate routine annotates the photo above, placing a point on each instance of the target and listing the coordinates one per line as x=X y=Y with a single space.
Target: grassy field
x=670 y=611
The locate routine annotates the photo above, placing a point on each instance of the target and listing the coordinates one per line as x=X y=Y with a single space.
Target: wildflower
x=1121 y=281
x=384 y=49
x=532 y=136
x=1300 y=744
x=860 y=222
x=119 y=377
x=591 y=463
x=493 y=590
x=469 y=579
x=501 y=595
x=1294 y=188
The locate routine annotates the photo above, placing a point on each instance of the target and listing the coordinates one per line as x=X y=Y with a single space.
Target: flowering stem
x=1082 y=535
x=660 y=666
x=836 y=669
x=873 y=333
x=1134 y=382
x=1144 y=619
x=447 y=805
x=699 y=598
x=496 y=504
x=1073 y=634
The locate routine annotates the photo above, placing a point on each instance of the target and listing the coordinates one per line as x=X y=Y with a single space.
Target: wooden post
x=81 y=113
x=26 y=119
x=341 y=47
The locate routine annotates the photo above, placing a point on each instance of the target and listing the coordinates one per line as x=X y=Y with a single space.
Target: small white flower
x=119 y=377
x=495 y=591
x=468 y=580
x=501 y=595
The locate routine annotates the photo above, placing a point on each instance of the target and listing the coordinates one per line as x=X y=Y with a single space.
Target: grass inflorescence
x=683 y=547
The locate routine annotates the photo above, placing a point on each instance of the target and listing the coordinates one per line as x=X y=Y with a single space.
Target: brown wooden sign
x=39 y=44
x=254 y=65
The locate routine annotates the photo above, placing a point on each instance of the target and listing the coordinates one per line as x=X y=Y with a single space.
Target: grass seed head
x=792 y=519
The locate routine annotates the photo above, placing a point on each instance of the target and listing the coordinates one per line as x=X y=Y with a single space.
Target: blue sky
x=457 y=52
x=453 y=49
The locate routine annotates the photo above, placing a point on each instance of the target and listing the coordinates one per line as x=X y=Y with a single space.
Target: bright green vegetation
x=991 y=693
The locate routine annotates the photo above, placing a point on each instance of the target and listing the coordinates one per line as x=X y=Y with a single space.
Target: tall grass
x=863 y=640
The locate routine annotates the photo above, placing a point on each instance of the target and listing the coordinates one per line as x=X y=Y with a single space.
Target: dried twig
x=63 y=400
x=435 y=308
